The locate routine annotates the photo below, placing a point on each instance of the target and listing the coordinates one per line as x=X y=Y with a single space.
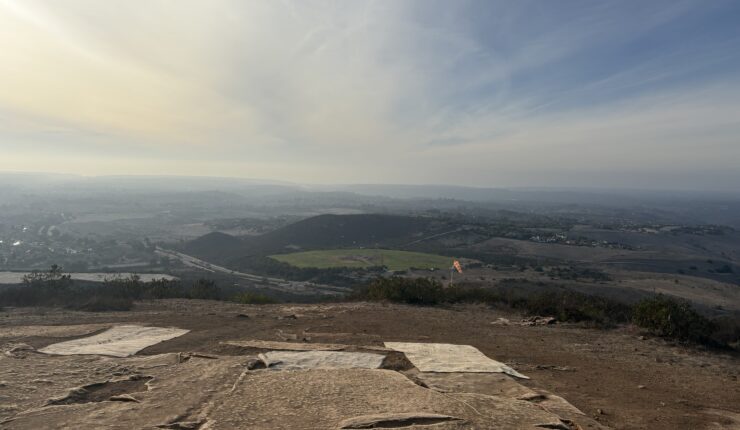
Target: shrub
x=725 y=269
x=564 y=305
x=105 y=303
x=572 y=306
x=205 y=289
x=668 y=317
x=727 y=331
x=55 y=289
x=418 y=291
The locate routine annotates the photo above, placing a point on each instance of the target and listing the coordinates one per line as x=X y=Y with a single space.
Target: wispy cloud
x=485 y=93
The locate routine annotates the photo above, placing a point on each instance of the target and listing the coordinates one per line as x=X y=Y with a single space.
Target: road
x=283 y=285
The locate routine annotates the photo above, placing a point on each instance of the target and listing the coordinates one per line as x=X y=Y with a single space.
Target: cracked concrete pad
x=324 y=399
x=176 y=392
x=498 y=384
x=187 y=391
x=118 y=341
x=494 y=384
x=444 y=357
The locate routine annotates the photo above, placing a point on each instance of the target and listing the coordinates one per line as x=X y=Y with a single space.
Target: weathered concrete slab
x=444 y=357
x=118 y=341
x=326 y=399
x=174 y=390
x=304 y=360
x=502 y=385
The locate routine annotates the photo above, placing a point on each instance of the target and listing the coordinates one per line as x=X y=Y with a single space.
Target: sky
x=632 y=93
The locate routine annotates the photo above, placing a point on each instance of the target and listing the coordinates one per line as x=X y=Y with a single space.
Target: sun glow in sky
x=486 y=93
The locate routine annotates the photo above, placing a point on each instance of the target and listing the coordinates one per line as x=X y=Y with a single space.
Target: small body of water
x=17 y=277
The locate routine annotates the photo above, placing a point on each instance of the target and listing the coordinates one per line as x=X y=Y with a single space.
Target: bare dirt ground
x=625 y=285
x=618 y=377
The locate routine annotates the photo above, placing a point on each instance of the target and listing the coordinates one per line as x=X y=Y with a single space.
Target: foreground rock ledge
x=182 y=391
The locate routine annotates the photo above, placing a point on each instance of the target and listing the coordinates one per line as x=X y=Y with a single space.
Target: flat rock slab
x=176 y=391
x=286 y=346
x=295 y=360
x=444 y=357
x=118 y=341
x=499 y=384
x=406 y=419
x=182 y=391
x=494 y=384
x=331 y=399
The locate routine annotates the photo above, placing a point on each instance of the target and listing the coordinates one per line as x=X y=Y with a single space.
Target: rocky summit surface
x=220 y=374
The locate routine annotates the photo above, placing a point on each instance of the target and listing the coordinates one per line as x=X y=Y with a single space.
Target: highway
x=284 y=285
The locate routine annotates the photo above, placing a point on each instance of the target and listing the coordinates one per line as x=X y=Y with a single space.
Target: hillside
x=215 y=246
x=329 y=231
x=319 y=232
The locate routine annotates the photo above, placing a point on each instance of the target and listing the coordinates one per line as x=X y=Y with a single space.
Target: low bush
x=668 y=317
x=727 y=331
x=205 y=289
x=661 y=315
x=572 y=306
x=104 y=303
x=418 y=291
x=54 y=289
x=564 y=305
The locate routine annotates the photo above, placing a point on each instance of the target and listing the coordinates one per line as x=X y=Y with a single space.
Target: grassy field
x=359 y=258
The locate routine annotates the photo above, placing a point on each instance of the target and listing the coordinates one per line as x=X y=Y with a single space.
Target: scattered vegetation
x=565 y=305
x=660 y=315
x=577 y=273
x=340 y=276
x=419 y=291
x=725 y=269
x=53 y=288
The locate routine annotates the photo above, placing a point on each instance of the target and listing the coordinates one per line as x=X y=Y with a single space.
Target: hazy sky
x=532 y=93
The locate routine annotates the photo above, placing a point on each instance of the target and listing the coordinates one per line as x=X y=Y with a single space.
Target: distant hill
x=343 y=230
x=319 y=232
x=215 y=246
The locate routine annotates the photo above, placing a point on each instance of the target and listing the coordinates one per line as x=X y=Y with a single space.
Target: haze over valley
x=372 y=214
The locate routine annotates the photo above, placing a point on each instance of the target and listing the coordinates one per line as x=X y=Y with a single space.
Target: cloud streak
x=478 y=93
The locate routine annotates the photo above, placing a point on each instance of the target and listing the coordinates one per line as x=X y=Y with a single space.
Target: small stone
x=255 y=363
x=642 y=387
x=600 y=411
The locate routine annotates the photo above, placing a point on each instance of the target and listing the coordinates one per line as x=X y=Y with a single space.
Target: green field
x=361 y=258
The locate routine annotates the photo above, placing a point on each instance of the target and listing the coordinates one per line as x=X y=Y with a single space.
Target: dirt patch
x=397 y=361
